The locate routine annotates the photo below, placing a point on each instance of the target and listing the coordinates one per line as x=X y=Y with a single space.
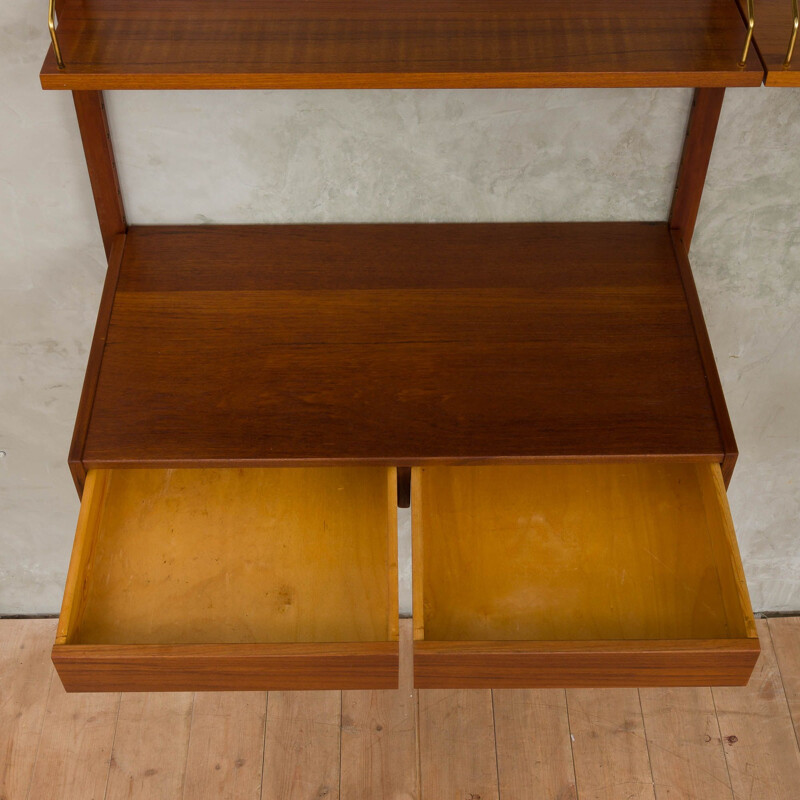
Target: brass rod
x=751 y=23
x=793 y=40
x=51 y=19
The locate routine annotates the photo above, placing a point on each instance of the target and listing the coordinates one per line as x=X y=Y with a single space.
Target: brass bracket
x=795 y=25
x=51 y=20
x=751 y=23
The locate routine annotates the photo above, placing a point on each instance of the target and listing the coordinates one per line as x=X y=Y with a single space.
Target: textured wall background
x=387 y=156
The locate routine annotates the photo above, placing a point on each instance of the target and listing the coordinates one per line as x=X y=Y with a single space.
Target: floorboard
x=148 y=759
x=226 y=746
x=301 y=753
x=651 y=744
x=75 y=745
x=757 y=732
x=534 y=750
x=24 y=682
x=379 y=746
x=684 y=744
x=609 y=746
x=785 y=634
x=457 y=744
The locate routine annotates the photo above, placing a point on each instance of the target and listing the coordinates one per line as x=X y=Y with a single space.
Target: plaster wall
x=387 y=156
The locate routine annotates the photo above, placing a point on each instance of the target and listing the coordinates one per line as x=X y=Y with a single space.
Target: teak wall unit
x=258 y=399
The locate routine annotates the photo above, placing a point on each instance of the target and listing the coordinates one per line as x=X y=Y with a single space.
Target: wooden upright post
x=700 y=134
x=99 y=152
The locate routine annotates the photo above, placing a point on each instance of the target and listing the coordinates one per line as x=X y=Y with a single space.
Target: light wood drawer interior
x=232 y=579
x=589 y=575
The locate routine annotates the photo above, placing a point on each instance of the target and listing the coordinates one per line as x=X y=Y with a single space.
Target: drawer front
x=569 y=576
x=227 y=667
x=226 y=579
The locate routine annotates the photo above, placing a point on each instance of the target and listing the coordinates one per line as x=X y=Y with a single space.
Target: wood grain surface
x=23 y=699
x=609 y=745
x=399 y=345
x=75 y=745
x=785 y=635
x=533 y=744
x=684 y=743
x=590 y=575
x=226 y=667
x=188 y=580
x=302 y=749
x=96 y=351
x=724 y=425
x=151 y=743
x=456 y=744
x=757 y=733
x=379 y=748
x=580 y=664
x=577 y=553
x=695 y=158
x=226 y=746
x=234 y=556
x=531 y=741
x=269 y=44
x=91 y=112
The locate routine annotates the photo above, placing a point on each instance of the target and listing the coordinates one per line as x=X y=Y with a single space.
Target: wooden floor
x=443 y=745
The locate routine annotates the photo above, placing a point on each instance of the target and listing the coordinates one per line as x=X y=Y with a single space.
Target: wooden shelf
x=395 y=344
x=273 y=44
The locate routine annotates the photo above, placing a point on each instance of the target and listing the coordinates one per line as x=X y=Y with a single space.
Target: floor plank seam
x=571 y=746
x=417 y=735
x=188 y=747
x=264 y=749
x=341 y=711
x=41 y=729
x=783 y=686
x=722 y=744
x=496 y=758
x=111 y=751
x=647 y=744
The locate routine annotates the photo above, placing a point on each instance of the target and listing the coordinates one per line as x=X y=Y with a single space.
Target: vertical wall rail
x=403 y=487
x=99 y=152
x=93 y=366
x=700 y=134
x=729 y=449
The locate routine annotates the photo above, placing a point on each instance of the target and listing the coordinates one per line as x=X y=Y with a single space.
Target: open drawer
x=248 y=579
x=568 y=576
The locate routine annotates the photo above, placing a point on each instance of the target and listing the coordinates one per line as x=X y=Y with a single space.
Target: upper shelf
x=379 y=44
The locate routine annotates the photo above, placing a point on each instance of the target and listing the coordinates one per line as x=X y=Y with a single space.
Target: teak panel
x=399 y=345
x=370 y=44
x=93 y=365
x=91 y=113
x=575 y=575
x=700 y=133
x=188 y=578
